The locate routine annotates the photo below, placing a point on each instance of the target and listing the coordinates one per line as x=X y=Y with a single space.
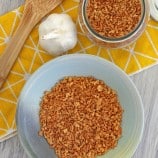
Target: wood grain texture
x=33 y=12
x=7 y=5
x=147 y=84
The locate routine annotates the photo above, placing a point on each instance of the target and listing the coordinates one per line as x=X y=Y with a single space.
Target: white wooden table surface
x=147 y=84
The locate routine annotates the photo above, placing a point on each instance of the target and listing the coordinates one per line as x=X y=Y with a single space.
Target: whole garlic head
x=57 y=34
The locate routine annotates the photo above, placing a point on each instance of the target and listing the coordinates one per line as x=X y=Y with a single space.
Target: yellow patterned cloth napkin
x=132 y=59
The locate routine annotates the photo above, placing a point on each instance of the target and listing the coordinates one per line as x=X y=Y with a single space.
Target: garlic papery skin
x=57 y=34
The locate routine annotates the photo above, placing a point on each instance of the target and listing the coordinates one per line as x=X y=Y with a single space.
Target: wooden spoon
x=34 y=11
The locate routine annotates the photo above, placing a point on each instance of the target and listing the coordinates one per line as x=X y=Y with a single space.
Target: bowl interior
x=83 y=65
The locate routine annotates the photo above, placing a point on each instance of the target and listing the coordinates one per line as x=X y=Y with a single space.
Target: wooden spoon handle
x=14 y=46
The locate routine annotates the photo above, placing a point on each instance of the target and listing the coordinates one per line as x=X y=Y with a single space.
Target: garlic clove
x=57 y=34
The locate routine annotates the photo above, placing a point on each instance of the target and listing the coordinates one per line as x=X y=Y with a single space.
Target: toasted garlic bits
x=81 y=117
x=114 y=18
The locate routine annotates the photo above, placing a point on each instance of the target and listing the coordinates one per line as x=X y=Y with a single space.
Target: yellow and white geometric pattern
x=132 y=59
